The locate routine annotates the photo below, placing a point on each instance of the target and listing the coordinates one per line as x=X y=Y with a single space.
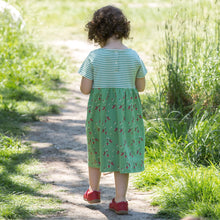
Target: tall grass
x=190 y=140
x=182 y=127
x=192 y=59
x=190 y=80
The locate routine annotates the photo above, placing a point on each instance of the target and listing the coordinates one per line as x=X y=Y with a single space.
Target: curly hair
x=107 y=22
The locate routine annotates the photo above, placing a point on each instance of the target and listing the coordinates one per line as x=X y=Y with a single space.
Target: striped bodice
x=113 y=68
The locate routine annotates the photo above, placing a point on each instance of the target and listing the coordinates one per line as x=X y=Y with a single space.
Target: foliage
x=192 y=56
x=29 y=76
x=182 y=117
x=194 y=140
x=19 y=187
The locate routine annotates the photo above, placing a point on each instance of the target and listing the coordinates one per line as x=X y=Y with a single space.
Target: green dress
x=114 y=124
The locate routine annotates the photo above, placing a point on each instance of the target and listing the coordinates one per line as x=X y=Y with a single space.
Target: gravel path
x=61 y=141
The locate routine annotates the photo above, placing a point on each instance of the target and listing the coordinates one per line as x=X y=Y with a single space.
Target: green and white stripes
x=113 y=68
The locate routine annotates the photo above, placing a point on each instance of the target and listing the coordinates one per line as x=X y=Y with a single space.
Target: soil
x=61 y=141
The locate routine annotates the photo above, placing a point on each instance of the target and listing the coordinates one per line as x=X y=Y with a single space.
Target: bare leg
x=121 y=185
x=94 y=179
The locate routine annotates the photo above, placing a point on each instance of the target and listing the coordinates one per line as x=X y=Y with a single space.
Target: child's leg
x=94 y=178
x=121 y=185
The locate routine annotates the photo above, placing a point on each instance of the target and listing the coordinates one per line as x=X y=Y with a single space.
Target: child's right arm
x=140 y=84
x=86 y=85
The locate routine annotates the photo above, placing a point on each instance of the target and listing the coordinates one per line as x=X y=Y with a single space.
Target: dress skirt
x=115 y=130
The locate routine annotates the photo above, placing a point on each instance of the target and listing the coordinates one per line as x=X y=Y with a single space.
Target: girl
x=113 y=75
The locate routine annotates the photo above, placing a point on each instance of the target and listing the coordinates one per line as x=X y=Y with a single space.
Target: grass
x=31 y=81
x=182 y=190
x=195 y=142
x=193 y=192
x=30 y=78
x=179 y=43
x=182 y=116
x=20 y=189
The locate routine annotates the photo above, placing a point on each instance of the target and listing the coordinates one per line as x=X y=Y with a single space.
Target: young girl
x=113 y=75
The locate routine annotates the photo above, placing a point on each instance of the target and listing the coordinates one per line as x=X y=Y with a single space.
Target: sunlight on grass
x=20 y=190
x=179 y=43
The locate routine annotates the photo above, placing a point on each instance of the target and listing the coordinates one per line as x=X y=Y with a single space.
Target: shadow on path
x=61 y=143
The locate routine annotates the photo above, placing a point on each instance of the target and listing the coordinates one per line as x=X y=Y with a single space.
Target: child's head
x=107 y=22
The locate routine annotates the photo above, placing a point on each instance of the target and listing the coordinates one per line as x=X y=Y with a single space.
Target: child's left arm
x=86 y=85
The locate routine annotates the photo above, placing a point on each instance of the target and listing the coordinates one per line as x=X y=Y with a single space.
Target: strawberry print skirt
x=115 y=130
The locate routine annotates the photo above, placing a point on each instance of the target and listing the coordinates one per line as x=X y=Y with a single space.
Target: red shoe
x=92 y=197
x=121 y=208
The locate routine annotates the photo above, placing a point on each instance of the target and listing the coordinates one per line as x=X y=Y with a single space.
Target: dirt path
x=61 y=141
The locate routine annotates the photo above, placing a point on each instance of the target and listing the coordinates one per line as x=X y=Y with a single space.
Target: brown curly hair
x=107 y=22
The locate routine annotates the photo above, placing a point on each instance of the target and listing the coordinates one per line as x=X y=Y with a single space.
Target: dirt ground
x=61 y=141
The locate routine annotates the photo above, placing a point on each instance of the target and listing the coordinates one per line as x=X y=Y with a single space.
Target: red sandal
x=120 y=208
x=92 y=197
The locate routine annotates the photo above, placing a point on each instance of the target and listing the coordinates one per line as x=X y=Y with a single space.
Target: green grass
x=190 y=140
x=182 y=190
x=179 y=43
x=182 y=116
x=31 y=78
x=31 y=85
x=20 y=189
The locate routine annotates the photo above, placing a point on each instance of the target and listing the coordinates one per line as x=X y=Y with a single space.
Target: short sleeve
x=86 y=69
x=142 y=71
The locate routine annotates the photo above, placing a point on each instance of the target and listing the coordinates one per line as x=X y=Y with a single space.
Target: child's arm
x=86 y=85
x=140 y=84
